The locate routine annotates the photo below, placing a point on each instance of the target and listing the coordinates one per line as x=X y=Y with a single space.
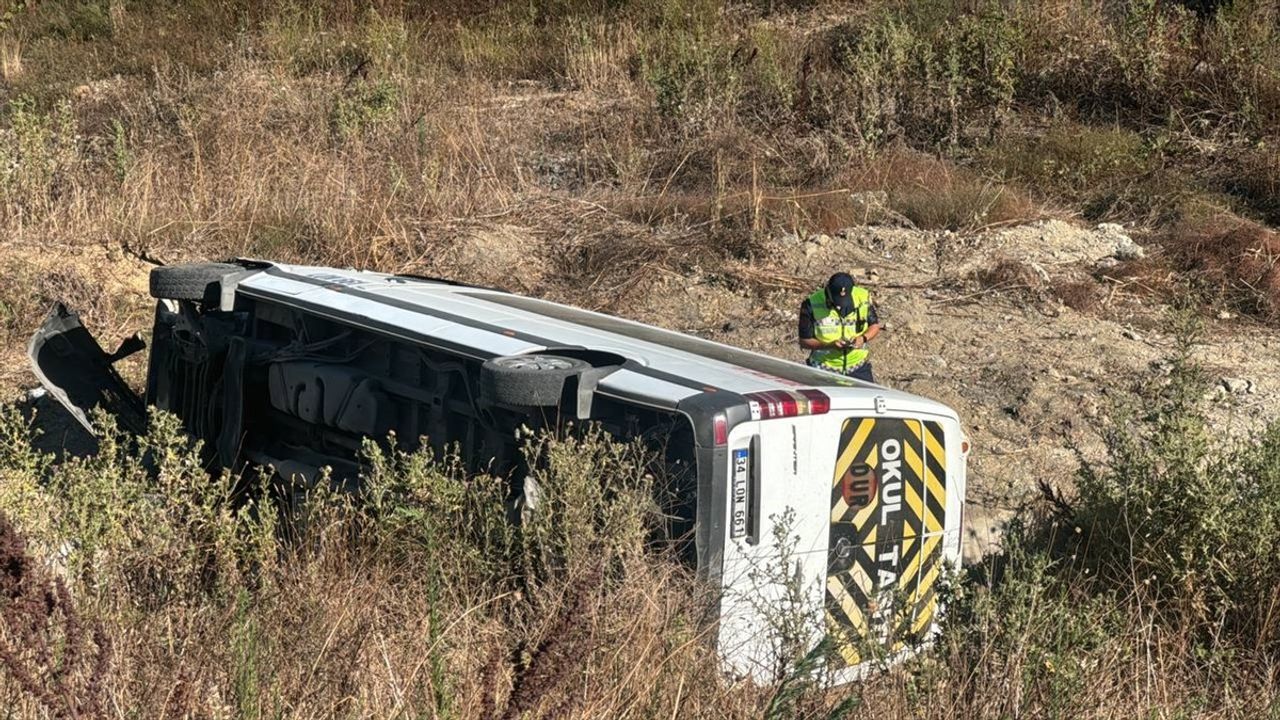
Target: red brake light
x=721 y=426
x=784 y=403
x=819 y=403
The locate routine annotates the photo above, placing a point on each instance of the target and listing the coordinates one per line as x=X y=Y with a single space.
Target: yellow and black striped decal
x=888 y=510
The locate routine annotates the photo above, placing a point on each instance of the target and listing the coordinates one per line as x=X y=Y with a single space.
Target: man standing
x=836 y=323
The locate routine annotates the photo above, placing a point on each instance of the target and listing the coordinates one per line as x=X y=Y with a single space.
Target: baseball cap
x=840 y=292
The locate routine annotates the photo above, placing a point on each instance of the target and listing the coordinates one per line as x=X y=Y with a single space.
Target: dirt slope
x=1032 y=379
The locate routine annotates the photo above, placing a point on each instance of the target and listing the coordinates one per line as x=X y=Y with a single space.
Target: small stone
x=1108 y=263
x=1130 y=251
x=36 y=393
x=1236 y=386
x=810 y=249
x=1130 y=334
x=1127 y=249
x=870 y=198
x=1089 y=407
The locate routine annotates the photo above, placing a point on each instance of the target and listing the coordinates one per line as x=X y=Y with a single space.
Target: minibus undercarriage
x=264 y=384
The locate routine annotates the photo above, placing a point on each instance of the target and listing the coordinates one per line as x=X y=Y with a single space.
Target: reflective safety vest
x=829 y=326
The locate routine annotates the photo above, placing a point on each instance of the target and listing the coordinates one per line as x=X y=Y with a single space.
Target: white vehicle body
x=858 y=489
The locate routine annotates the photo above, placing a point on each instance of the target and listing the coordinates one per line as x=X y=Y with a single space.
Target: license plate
x=740 y=493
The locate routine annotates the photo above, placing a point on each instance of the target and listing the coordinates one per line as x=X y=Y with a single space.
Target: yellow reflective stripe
x=925 y=616
x=939 y=455
x=913 y=459
x=851 y=451
x=935 y=489
x=847 y=603
x=846 y=645
x=916 y=503
x=930 y=576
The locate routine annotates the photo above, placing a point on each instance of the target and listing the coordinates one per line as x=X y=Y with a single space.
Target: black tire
x=527 y=380
x=188 y=282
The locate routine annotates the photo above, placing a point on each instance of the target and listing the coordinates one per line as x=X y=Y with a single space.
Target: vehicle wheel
x=527 y=380
x=190 y=281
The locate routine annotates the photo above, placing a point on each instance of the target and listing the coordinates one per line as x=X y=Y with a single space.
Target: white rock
x=1124 y=246
x=1236 y=386
x=1127 y=249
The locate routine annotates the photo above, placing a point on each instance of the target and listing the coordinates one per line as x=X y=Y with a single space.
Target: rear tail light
x=720 y=424
x=784 y=403
x=819 y=403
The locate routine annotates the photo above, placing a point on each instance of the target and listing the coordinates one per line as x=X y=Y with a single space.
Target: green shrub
x=305 y=39
x=82 y=20
x=1094 y=166
x=1189 y=521
x=984 y=67
x=39 y=151
x=595 y=499
x=432 y=510
x=1163 y=557
x=1018 y=618
x=363 y=107
x=693 y=66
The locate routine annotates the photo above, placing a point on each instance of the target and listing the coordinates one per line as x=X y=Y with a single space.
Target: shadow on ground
x=56 y=430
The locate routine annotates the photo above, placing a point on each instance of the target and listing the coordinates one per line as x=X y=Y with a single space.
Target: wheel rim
x=535 y=362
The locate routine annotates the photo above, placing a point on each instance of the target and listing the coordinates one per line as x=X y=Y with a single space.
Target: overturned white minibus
x=293 y=366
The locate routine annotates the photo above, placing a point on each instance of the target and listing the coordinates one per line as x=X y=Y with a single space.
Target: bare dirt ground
x=1033 y=380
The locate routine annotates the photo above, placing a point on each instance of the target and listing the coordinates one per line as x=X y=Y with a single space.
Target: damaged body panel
x=80 y=375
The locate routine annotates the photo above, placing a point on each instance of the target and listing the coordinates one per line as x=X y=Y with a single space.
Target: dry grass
x=1230 y=260
x=934 y=193
x=10 y=58
x=578 y=149
x=1079 y=295
x=419 y=601
x=1011 y=276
